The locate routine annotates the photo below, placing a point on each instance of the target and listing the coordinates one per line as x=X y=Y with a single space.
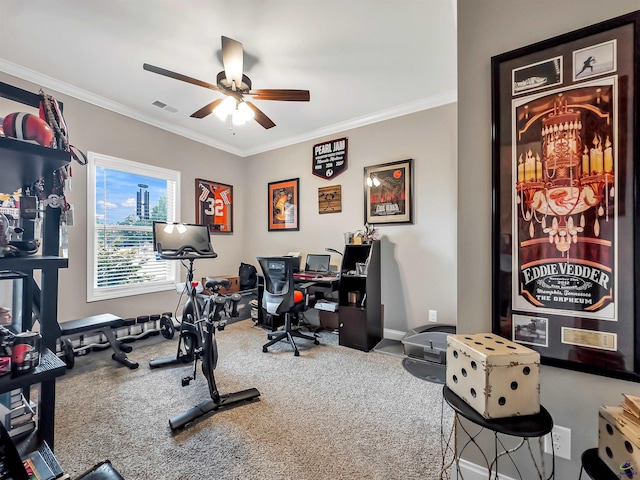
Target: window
x=123 y=200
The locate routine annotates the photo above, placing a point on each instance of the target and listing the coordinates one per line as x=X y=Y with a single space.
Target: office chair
x=281 y=298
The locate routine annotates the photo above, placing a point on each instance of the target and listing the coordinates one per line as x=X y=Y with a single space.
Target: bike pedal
x=186 y=381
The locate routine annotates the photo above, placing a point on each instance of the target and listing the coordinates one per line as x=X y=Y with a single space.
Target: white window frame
x=104 y=293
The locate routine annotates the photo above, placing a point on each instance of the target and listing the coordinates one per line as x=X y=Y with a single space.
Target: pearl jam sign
x=330 y=158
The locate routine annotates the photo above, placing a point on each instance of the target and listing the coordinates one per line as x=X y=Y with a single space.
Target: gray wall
x=418 y=261
x=487 y=28
x=95 y=129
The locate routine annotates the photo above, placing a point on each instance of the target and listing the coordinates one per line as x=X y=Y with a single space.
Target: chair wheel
x=316 y=342
x=296 y=353
x=264 y=349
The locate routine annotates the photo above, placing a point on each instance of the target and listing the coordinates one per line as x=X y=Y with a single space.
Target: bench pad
x=94 y=322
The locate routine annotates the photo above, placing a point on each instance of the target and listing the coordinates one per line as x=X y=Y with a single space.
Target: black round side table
x=593 y=466
x=525 y=427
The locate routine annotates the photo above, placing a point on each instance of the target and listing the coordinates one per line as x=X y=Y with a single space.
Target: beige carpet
x=331 y=413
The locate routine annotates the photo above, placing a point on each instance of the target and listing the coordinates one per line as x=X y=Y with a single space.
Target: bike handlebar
x=186 y=252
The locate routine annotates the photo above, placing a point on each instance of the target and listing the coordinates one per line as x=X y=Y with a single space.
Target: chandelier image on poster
x=565 y=204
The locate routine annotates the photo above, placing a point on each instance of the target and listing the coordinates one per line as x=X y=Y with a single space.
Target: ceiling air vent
x=164 y=106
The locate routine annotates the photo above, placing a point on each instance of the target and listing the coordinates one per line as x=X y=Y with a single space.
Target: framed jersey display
x=214 y=206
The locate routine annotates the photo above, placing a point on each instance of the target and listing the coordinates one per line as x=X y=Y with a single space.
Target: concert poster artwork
x=565 y=205
x=564 y=228
x=284 y=205
x=214 y=205
x=388 y=193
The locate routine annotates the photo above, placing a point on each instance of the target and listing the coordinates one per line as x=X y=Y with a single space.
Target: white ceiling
x=362 y=60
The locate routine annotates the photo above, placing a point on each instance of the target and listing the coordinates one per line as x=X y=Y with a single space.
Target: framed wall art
x=388 y=193
x=214 y=206
x=330 y=199
x=284 y=203
x=565 y=228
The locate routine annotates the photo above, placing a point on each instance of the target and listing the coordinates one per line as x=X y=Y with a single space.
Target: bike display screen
x=176 y=238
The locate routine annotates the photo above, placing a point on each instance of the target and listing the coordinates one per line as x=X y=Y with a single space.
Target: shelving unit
x=360 y=321
x=21 y=164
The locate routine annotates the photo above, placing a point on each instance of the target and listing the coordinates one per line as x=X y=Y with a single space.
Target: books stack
x=631 y=409
x=37 y=468
x=16 y=413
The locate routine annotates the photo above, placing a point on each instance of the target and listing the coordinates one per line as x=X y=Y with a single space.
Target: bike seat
x=215 y=283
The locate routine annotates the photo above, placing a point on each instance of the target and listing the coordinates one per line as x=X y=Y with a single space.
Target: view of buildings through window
x=127 y=198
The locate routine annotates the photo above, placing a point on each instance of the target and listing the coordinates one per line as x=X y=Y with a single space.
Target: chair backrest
x=278 y=295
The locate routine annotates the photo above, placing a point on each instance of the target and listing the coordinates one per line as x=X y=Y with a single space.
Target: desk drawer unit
x=494 y=376
x=352 y=328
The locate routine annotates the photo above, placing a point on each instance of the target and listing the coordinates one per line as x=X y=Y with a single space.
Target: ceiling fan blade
x=281 y=94
x=232 y=60
x=260 y=117
x=207 y=109
x=179 y=76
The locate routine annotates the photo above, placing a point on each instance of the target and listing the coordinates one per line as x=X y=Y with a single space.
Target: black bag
x=248 y=276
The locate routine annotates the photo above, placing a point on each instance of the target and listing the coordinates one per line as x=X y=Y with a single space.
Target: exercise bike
x=201 y=317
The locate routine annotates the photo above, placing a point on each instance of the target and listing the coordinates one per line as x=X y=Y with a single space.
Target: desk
x=316 y=285
x=526 y=426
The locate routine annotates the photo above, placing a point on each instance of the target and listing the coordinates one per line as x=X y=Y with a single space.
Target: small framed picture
x=388 y=193
x=330 y=199
x=284 y=203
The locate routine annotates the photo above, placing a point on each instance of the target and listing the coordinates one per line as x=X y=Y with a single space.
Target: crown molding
x=93 y=99
x=387 y=114
x=46 y=81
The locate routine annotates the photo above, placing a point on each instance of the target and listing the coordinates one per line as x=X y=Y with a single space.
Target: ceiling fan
x=236 y=86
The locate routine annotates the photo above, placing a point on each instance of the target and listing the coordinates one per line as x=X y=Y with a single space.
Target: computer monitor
x=296 y=262
x=317 y=262
x=177 y=238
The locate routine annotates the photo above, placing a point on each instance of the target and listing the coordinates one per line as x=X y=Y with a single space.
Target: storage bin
x=496 y=377
x=428 y=346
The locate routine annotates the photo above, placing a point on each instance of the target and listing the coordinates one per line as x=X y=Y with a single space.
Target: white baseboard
x=393 y=334
x=471 y=471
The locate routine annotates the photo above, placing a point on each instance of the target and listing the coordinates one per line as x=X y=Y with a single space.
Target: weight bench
x=103 y=323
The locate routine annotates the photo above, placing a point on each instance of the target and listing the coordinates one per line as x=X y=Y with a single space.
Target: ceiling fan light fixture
x=246 y=111
x=226 y=107
x=237 y=118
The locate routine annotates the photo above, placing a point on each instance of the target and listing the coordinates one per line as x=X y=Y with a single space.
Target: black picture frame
x=564 y=227
x=284 y=205
x=388 y=193
x=214 y=205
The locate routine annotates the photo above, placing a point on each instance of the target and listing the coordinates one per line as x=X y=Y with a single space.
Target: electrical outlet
x=433 y=316
x=561 y=442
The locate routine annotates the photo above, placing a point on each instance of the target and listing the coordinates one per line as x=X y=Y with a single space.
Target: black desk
x=593 y=465
x=525 y=426
x=322 y=283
